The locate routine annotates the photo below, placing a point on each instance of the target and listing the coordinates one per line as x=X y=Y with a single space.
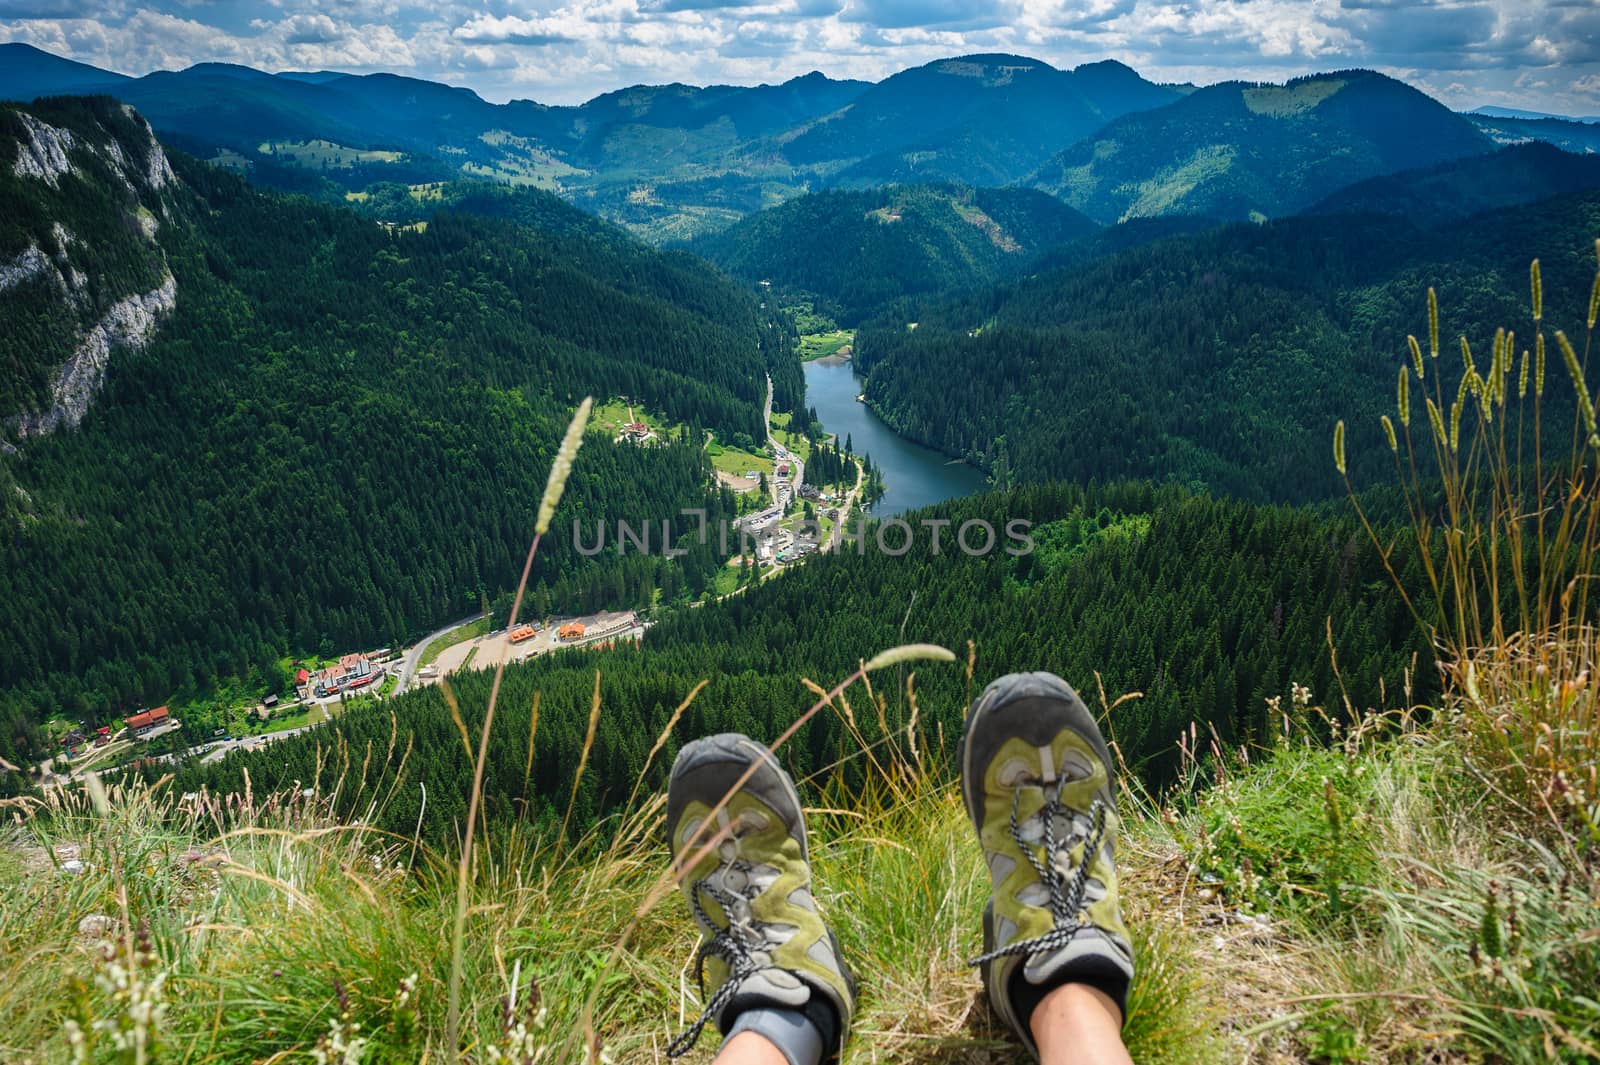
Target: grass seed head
x=1388 y=431
x=1538 y=365
x=1437 y=420
x=1522 y=376
x=1416 y=355
x=1403 y=397
x=1338 y=447
x=1594 y=300
x=1433 y=323
x=561 y=468
x=1585 y=403
x=1538 y=290
x=1455 y=426
x=911 y=652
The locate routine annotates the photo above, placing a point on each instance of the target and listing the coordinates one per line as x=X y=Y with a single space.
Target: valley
x=308 y=377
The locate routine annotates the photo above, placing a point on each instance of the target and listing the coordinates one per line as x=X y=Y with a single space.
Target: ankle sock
x=795 y=1035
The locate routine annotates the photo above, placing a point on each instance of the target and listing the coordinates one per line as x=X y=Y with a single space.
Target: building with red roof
x=146 y=721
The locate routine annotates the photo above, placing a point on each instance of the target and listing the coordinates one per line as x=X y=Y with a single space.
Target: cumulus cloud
x=1543 y=54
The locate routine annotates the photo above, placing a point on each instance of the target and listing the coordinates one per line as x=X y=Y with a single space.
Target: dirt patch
x=737 y=483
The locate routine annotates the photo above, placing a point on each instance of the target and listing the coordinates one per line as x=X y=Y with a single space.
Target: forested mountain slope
x=859 y=252
x=1220 y=359
x=81 y=268
x=1235 y=150
x=338 y=435
x=1203 y=605
x=977 y=119
x=1523 y=173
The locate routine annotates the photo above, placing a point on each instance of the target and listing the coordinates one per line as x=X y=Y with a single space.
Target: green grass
x=726 y=578
x=310 y=716
x=612 y=415
x=821 y=345
x=470 y=631
x=738 y=461
x=1461 y=941
x=319 y=153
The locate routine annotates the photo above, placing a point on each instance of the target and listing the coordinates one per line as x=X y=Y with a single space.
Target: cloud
x=311 y=29
x=487 y=29
x=1541 y=54
x=696 y=5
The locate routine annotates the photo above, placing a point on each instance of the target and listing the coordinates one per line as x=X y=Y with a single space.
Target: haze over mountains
x=671 y=162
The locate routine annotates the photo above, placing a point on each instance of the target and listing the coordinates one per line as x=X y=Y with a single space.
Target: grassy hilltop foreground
x=1361 y=900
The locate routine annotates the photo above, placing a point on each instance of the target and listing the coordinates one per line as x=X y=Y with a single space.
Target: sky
x=1537 y=54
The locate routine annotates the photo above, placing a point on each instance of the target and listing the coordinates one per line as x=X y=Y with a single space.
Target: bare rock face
x=130 y=323
x=25 y=267
x=43 y=154
x=140 y=170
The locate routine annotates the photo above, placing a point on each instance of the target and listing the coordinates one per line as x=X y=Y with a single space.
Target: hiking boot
x=762 y=942
x=1036 y=777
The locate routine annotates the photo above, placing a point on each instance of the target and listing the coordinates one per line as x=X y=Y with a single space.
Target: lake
x=913 y=476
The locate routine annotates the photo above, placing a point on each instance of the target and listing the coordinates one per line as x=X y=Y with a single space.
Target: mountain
x=1215 y=358
x=858 y=252
x=27 y=72
x=981 y=119
x=669 y=161
x=1517 y=112
x=255 y=425
x=1525 y=173
x=81 y=268
x=1236 y=151
x=1582 y=137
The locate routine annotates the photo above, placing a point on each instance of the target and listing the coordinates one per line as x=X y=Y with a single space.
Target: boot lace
x=1066 y=881
x=736 y=944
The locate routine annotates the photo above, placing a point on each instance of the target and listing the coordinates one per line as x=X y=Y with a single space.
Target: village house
x=147 y=721
x=353 y=672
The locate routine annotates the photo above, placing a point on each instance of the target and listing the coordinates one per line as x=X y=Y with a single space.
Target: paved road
x=412 y=660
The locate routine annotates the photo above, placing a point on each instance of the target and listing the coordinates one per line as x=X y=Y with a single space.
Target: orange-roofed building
x=571 y=630
x=145 y=721
x=521 y=633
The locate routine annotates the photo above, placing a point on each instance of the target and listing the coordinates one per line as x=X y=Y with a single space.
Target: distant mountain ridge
x=675 y=162
x=1238 y=150
x=980 y=119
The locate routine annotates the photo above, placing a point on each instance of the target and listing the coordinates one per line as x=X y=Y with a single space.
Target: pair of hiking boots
x=1036 y=777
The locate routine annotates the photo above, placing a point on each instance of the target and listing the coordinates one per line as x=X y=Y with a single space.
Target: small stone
x=97 y=926
x=72 y=867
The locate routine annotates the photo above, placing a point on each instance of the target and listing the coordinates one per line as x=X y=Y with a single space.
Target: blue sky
x=1540 y=54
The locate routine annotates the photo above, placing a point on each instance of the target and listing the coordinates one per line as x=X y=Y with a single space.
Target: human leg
x=1037 y=780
